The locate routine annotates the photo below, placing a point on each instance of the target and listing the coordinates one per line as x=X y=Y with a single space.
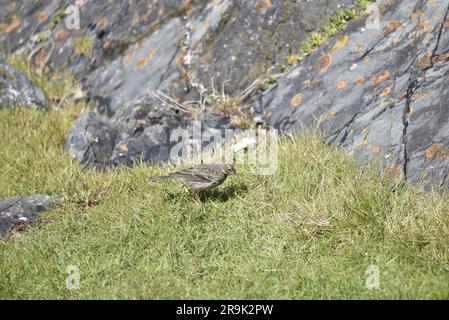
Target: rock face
x=92 y=139
x=141 y=132
x=381 y=94
x=16 y=89
x=126 y=47
x=21 y=211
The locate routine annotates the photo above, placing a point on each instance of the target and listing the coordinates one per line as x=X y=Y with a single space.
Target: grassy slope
x=270 y=239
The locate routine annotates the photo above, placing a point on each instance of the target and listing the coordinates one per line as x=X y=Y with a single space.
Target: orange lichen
x=359 y=48
x=41 y=16
x=359 y=80
x=380 y=78
x=320 y=95
x=341 y=84
x=425 y=61
x=392 y=25
x=263 y=5
x=297 y=99
x=429 y=29
x=142 y=62
x=61 y=34
x=328 y=116
x=102 y=22
x=417 y=14
x=437 y=151
x=423 y=24
x=363 y=143
x=13 y=24
x=151 y=54
x=341 y=42
x=440 y=59
x=323 y=63
x=385 y=91
x=419 y=95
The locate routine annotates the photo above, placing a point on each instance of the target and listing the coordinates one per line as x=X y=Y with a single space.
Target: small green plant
x=82 y=45
x=42 y=36
x=56 y=88
x=362 y=4
x=268 y=83
x=337 y=21
x=57 y=18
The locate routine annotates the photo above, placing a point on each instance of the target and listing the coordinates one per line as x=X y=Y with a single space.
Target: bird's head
x=229 y=169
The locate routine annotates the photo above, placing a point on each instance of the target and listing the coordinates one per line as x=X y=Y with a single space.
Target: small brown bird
x=201 y=177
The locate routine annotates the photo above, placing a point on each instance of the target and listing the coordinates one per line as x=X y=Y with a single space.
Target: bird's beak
x=233 y=172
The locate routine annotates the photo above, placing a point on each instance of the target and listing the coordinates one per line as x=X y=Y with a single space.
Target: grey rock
x=381 y=94
x=133 y=46
x=143 y=132
x=175 y=58
x=92 y=139
x=17 y=90
x=20 y=211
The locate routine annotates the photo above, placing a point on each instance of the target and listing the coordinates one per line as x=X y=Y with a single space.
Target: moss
x=82 y=45
x=336 y=22
x=56 y=19
x=55 y=89
x=268 y=83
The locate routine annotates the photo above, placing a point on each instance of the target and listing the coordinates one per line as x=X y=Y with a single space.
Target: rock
x=17 y=90
x=141 y=132
x=126 y=47
x=174 y=58
x=20 y=211
x=245 y=39
x=381 y=94
x=92 y=139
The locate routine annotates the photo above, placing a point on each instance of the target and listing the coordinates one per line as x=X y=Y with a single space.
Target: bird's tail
x=158 y=178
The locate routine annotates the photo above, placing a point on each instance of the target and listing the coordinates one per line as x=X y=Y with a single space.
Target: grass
x=309 y=231
x=60 y=86
x=82 y=45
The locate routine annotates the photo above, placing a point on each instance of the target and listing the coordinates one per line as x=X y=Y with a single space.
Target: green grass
x=82 y=45
x=60 y=86
x=309 y=231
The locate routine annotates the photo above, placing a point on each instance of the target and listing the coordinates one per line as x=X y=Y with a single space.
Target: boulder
x=126 y=47
x=17 y=90
x=382 y=94
x=20 y=211
x=141 y=132
x=92 y=139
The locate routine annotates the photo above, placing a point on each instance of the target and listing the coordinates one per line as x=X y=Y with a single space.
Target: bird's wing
x=192 y=174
